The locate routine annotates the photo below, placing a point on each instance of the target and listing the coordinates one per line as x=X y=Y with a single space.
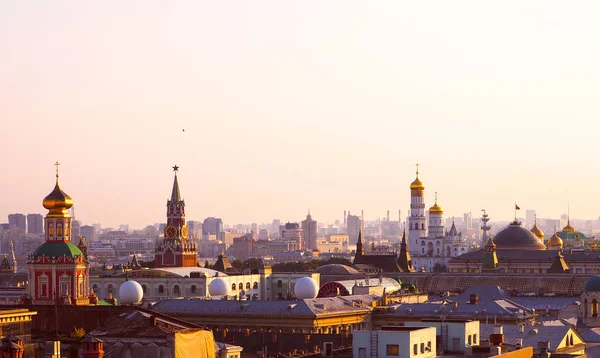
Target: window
x=362 y=353
x=255 y=285
x=193 y=288
x=469 y=339
x=428 y=346
x=144 y=288
x=392 y=350
x=279 y=283
x=110 y=289
x=176 y=290
x=95 y=289
x=423 y=347
x=161 y=289
x=43 y=285
x=233 y=287
x=241 y=286
x=247 y=285
x=415 y=349
x=475 y=339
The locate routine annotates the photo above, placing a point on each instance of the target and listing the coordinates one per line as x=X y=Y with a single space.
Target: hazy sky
x=288 y=106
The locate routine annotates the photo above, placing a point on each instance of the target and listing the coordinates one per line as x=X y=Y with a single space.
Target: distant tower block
x=485 y=228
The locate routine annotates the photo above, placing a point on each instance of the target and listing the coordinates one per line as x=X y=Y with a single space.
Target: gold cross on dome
x=417 y=168
x=57 y=164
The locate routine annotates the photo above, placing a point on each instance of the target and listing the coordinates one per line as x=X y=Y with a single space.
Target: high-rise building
x=309 y=230
x=275 y=234
x=213 y=226
x=35 y=223
x=89 y=232
x=468 y=220
x=175 y=250
x=355 y=225
x=76 y=228
x=18 y=221
x=293 y=232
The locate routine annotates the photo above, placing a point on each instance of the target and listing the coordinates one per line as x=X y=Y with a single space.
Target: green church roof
x=58 y=249
x=566 y=235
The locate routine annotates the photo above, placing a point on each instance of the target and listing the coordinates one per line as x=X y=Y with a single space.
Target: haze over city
x=288 y=107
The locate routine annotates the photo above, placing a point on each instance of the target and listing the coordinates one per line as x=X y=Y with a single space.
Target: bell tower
x=417 y=226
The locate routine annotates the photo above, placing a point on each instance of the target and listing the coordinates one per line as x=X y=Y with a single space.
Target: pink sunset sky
x=289 y=106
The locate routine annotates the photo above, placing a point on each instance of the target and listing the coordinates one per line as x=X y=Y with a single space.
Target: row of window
x=161 y=289
x=241 y=286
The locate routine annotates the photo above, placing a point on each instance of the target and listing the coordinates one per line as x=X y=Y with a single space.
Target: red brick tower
x=175 y=250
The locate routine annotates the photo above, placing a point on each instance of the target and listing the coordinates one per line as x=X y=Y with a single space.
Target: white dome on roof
x=218 y=287
x=306 y=287
x=131 y=292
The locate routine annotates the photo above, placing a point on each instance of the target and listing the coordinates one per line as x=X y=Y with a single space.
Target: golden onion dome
x=417 y=184
x=537 y=231
x=436 y=209
x=568 y=228
x=555 y=241
x=57 y=202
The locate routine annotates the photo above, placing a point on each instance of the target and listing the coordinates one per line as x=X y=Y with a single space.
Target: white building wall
x=418 y=343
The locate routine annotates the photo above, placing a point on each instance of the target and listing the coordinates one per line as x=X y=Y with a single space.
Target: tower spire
x=175 y=195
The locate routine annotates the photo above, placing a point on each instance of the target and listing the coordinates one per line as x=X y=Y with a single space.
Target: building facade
x=58 y=270
x=309 y=230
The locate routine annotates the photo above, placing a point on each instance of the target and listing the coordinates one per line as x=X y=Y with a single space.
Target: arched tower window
x=247 y=285
x=279 y=283
x=176 y=290
x=161 y=289
x=233 y=287
x=594 y=308
x=255 y=285
x=422 y=226
x=110 y=288
x=193 y=288
x=241 y=286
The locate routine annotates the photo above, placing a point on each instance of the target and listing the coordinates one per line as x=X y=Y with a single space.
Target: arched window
x=193 y=288
x=422 y=226
x=475 y=338
x=594 y=308
x=176 y=290
x=241 y=286
x=110 y=288
x=255 y=285
x=161 y=289
x=95 y=289
x=144 y=288
x=571 y=340
x=233 y=287
x=247 y=285
x=279 y=283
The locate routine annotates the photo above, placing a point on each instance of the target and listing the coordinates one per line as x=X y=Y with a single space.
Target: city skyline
x=328 y=113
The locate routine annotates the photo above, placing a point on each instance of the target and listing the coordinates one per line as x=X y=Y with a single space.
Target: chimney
x=497 y=338
x=544 y=348
x=92 y=347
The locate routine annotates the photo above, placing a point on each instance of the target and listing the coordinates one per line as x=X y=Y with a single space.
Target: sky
x=290 y=106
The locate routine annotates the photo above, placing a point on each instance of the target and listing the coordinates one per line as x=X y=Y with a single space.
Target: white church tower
x=417 y=221
x=436 y=220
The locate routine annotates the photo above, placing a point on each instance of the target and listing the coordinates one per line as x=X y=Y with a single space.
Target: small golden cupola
x=57 y=202
x=417 y=184
x=537 y=231
x=436 y=208
x=555 y=242
x=568 y=228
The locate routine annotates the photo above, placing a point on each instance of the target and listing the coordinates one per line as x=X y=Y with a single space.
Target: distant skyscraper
x=529 y=217
x=355 y=224
x=75 y=228
x=17 y=220
x=468 y=220
x=35 y=223
x=275 y=229
x=293 y=232
x=213 y=226
x=89 y=232
x=309 y=230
